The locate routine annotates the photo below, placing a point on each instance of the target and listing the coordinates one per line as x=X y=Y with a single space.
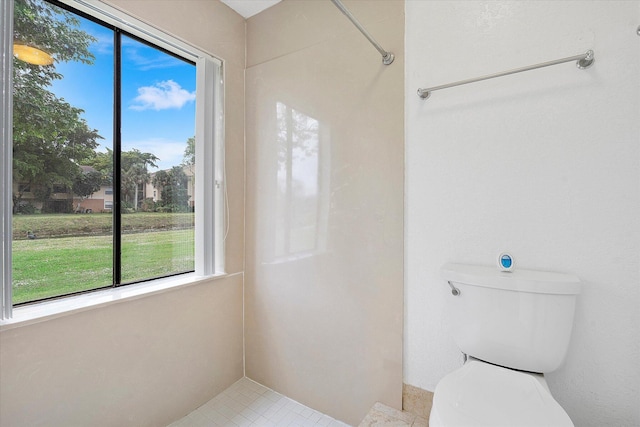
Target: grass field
x=65 y=225
x=47 y=267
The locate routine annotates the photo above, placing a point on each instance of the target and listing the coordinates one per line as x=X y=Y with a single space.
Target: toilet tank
x=520 y=319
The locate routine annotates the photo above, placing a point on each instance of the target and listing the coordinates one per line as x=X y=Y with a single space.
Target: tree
x=161 y=179
x=103 y=163
x=50 y=137
x=134 y=166
x=173 y=185
x=86 y=183
x=189 y=156
x=134 y=173
x=189 y=161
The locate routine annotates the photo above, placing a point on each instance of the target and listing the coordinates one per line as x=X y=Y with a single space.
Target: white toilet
x=513 y=327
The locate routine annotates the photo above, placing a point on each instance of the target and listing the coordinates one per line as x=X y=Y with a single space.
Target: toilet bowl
x=482 y=394
x=513 y=327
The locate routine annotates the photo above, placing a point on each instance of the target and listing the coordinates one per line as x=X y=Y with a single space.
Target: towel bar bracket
x=454 y=291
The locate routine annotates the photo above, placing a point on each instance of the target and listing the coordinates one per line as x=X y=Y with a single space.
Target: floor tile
x=249 y=404
x=384 y=416
x=420 y=422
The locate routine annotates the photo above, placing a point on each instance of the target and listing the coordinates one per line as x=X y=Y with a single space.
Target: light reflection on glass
x=298 y=206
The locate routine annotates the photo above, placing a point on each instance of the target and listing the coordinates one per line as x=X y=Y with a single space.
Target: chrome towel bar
x=584 y=60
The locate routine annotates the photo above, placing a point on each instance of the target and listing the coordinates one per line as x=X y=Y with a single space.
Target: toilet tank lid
x=542 y=282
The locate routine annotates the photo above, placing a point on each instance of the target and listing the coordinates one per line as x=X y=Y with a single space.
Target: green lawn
x=50 y=267
x=67 y=225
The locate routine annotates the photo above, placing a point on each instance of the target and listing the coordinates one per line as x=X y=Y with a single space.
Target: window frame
x=209 y=134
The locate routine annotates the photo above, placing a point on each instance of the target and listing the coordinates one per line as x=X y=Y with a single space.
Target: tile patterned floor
x=385 y=416
x=247 y=403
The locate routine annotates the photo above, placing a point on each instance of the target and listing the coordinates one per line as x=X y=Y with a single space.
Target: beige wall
x=151 y=360
x=145 y=362
x=324 y=250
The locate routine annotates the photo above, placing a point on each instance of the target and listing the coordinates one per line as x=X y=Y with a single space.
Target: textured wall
x=545 y=164
x=325 y=205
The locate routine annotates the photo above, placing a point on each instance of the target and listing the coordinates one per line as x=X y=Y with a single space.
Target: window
x=105 y=149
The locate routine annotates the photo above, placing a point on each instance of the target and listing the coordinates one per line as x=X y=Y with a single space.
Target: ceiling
x=248 y=8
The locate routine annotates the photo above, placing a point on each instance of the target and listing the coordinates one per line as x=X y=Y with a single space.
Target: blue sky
x=158 y=95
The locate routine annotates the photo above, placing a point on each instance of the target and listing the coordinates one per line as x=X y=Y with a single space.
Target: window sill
x=40 y=312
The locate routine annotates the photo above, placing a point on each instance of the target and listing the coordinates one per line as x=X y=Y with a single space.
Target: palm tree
x=135 y=173
x=132 y=178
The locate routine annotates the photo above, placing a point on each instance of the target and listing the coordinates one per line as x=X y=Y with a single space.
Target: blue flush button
x=505 y=262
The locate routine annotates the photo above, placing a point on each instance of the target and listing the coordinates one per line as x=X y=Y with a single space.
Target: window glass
x=61 y=125
x=157 y=163
x=72 y=208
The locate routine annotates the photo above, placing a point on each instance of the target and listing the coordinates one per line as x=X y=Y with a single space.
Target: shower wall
x=324 y=226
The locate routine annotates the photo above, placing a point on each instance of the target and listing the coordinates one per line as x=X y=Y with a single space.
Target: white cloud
x=162 y=96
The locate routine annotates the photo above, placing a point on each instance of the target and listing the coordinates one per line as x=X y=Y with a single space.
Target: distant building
x=62 y=199
x=100 y=201
x=155 y=193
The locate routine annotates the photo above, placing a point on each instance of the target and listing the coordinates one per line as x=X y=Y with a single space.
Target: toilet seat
x=481 y=394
